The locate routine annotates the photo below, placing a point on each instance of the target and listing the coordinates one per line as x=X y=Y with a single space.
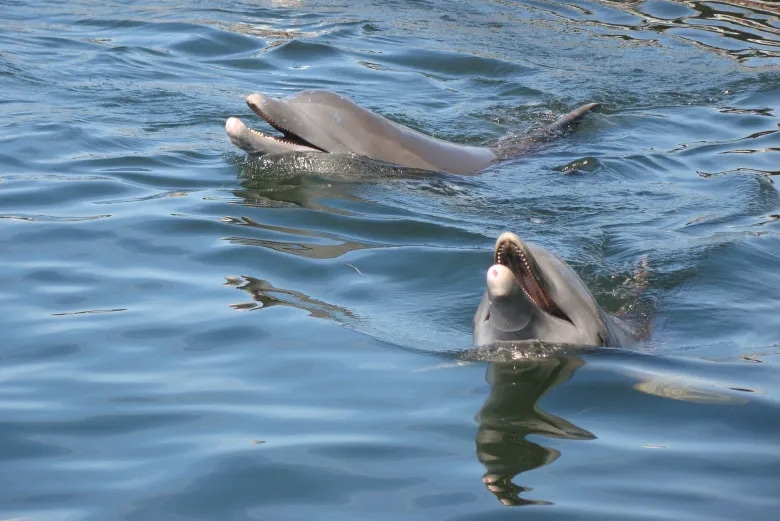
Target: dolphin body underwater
x=323 y=121
x=533 y=295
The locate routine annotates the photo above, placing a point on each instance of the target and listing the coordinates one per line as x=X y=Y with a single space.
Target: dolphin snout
x=234 y=126
x=500 y=281
x=256 y=99
x=508 y=237
x=236 y=131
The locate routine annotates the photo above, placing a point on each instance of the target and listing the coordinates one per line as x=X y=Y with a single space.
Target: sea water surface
x=188 y=333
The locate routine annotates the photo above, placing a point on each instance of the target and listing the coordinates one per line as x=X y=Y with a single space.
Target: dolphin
x=323 y=121
x=533 y=295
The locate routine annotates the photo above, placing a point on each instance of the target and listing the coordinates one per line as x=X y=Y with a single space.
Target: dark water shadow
x=511 y=414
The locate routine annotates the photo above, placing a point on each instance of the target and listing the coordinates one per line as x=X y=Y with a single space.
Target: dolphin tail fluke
x=567 y=123
x=515 y=146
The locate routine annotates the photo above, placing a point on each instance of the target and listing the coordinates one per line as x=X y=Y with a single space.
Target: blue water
x=188 y=333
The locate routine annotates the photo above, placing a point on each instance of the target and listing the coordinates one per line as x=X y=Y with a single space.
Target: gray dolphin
x=534 y=295
x=323 y=121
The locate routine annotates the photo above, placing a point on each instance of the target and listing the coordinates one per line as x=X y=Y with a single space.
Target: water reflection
x=337 y=246
x=740 y=29
x=264 y=295
x=301 y=191
x=511 y=413
x=311 y=180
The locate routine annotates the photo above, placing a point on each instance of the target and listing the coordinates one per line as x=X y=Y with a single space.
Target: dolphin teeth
x=268 y=119
x=524 y=260
x=502 y=257
x=281 y=139
x=520 y=261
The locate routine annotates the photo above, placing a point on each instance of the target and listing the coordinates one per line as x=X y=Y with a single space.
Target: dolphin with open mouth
x=323 y=121
x=533 y=295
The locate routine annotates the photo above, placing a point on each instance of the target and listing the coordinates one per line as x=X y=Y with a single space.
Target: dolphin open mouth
x=513 y=254
x=287 y=136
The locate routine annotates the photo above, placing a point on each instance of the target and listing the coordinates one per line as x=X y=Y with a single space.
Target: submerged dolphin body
x=533 y=295
x=323 y=121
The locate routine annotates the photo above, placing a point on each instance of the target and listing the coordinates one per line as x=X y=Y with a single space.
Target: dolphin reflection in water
x=511 y=413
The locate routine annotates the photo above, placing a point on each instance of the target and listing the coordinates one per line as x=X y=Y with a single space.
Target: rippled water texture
x=188 y=333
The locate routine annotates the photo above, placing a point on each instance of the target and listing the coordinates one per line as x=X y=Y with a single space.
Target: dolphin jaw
x=254 y=142
x=256 y=102
x=511 y=252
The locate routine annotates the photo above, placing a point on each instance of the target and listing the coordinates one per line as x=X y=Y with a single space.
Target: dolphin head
x=308 y=121
x=288 y=116
x=534 y=295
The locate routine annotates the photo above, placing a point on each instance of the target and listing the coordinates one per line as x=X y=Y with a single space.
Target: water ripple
x=134 y=231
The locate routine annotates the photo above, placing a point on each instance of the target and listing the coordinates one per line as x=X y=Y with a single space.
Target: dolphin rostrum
x=323 y=121
x=533 y=295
